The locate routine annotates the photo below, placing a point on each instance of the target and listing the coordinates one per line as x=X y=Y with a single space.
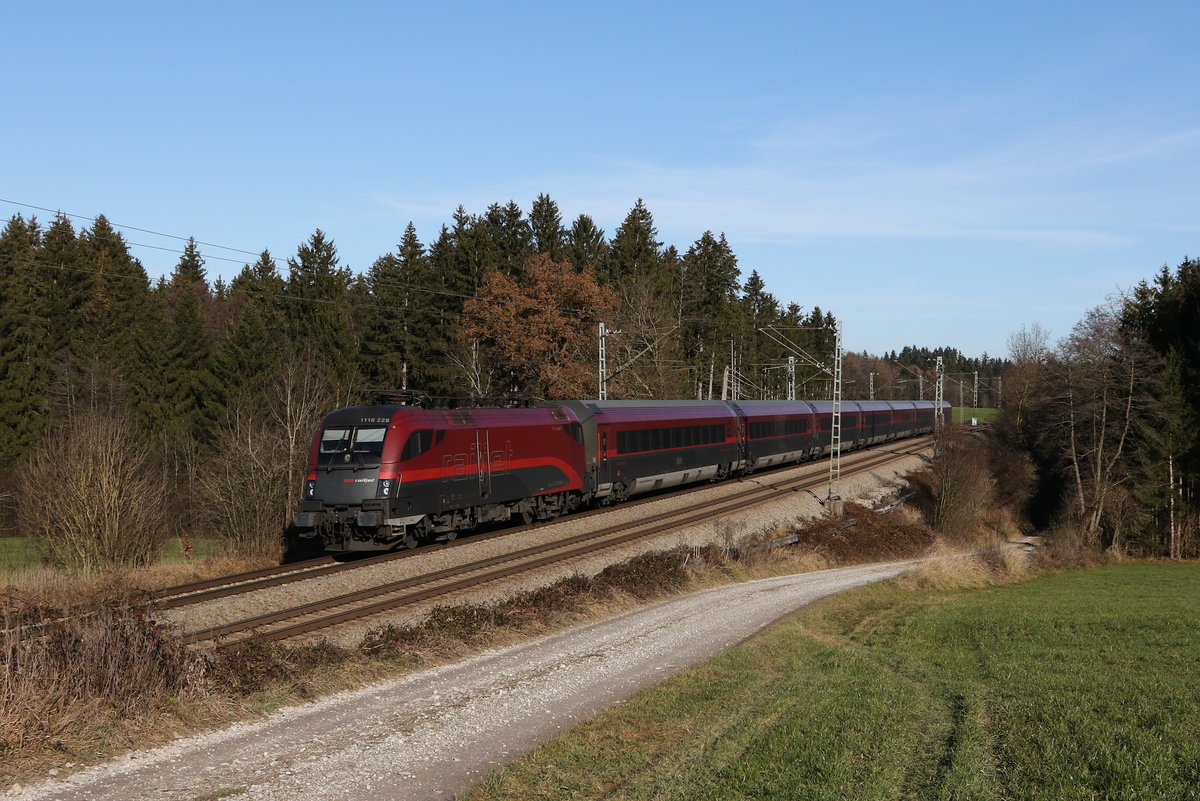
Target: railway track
x=354 y=606
x=276 y=575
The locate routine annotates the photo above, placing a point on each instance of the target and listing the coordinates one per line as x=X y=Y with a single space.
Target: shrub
x=93 y=493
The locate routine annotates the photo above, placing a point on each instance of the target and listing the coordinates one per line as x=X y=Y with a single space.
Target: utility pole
x=835 y=436
x=939 y=420
x=999 y=392
x=871 y=384
x=602 y=391
x=975 y=393
x=603 y=370
x=735 y=389
x=921 y=385
x=791 y=378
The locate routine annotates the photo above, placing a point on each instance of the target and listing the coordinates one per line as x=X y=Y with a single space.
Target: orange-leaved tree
x=543 y=328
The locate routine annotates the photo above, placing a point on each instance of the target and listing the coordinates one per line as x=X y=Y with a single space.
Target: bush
x=57 y=674
x=93 y=493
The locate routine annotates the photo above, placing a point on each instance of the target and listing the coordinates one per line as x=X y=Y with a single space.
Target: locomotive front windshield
x=355 y=446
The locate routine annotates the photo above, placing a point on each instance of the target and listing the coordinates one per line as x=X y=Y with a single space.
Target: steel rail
x=550 y=553
x=253 y=580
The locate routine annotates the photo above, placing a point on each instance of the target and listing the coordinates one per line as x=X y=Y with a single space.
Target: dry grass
x=184 y=693
x=59 y=680
x=50 y=586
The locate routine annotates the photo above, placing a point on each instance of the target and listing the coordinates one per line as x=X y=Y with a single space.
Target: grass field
x=1079 y=685
x=19 y=555
x=963 y=414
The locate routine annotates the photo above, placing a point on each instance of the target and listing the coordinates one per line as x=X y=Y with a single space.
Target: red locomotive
x=396 y=474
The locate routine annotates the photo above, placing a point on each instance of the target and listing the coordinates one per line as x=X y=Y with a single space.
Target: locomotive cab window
x=351 y=445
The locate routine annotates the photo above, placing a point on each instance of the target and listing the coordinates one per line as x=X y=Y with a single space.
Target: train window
x=418 y=443
x=333 y=440
x=368 y=438
x=657 y=439
x=342 y=442
x=850 y=421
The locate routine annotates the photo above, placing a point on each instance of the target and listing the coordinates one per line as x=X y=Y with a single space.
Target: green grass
x=963 y=414
x=1071 y=686
x=18 y=554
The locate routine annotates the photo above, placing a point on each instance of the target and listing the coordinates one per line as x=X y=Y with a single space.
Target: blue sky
x=933 y=173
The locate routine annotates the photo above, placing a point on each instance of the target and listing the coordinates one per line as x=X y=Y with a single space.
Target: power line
x=360 y=276
x=129 y=227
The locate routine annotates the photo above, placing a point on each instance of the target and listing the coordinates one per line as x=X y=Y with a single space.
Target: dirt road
x=434 y=734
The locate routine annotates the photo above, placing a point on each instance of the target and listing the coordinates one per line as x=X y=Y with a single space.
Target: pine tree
x=122 y=326
x=635 y=250
x=760 y=309
x=257 y=341
x=709 y=296
x=189 y=381
x=189 y=272
x=508 y=238
x=545 y=222
x=586 y=245
x=320 y=321
x=26 y=355
x=398 y=331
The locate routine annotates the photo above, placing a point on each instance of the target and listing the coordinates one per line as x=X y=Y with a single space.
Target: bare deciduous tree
x=251 y=485
x=245 y=484
x=1029 y=351
x=962 y=482
x=1104 y=380
x=93 y=493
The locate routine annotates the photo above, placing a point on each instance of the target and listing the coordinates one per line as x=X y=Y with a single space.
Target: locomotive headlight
x=384 y=489
x=310 y=489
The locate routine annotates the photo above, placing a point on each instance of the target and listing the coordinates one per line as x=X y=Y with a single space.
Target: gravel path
x=435 y=733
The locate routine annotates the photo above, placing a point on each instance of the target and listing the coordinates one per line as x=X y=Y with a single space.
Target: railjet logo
x=357 y=480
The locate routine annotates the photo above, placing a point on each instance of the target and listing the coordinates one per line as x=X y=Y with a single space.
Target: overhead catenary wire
x=128 y=227
x=360 y=276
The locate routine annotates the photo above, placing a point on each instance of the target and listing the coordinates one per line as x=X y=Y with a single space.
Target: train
x=395 y=473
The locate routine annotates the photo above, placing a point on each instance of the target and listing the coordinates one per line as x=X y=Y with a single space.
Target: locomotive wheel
x=415 y=534
x=527 y=513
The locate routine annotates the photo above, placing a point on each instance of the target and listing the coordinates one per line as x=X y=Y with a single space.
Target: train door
x=742 y=438
x=483 y=461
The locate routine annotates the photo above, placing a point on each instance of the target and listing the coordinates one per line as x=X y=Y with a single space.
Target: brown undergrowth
x=94 y=686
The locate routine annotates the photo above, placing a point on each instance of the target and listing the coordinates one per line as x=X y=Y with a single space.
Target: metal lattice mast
x=938 y=417
x=602 y=393
x=835 y=436
x=975 y=392
x=604 y=363
x=791 y=381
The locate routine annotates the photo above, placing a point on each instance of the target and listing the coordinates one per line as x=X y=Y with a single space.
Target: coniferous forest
x=133 y=410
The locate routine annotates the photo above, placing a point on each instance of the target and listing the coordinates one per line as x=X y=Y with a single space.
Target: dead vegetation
x=119 y=679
